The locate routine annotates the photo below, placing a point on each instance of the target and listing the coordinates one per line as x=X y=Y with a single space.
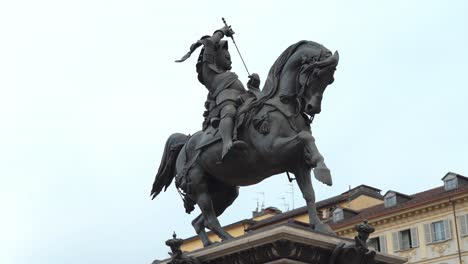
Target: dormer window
x=450 y=182
x=338 y=215
x=390 y=200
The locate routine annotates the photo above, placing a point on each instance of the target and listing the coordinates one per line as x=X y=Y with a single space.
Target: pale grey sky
x=89 y=93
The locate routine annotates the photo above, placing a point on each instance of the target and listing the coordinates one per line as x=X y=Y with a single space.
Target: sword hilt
x=224 y=21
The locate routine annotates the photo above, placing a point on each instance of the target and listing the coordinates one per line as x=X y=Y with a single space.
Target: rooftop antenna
x=263 y=201
x=292 y=194
x=256 y=209
x=285 y=204
x=349 y=196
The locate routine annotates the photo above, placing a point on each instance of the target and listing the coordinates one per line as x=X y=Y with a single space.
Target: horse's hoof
x=323 y=175
x=324 y=228
x=227 y=239
x=207 y=243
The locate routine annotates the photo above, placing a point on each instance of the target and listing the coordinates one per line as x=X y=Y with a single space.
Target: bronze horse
x=276 y=128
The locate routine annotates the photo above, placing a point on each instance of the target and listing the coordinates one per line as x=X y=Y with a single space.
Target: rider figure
x=213 y=68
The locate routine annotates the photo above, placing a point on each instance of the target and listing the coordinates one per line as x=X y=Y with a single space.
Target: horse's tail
x=167 y=168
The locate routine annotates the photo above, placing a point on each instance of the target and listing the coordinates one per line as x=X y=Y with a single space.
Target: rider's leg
x=226 y=126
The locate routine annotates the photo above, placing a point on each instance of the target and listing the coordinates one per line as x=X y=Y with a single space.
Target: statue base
x=288 y=243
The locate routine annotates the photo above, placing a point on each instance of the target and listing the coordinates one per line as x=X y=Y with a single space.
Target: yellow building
x=426 y=227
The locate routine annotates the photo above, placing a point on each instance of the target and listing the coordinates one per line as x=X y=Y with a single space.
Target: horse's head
x=315 y=74
x=299 y=77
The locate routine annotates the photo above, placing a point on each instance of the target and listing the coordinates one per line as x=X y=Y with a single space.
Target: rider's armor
x=213 y=68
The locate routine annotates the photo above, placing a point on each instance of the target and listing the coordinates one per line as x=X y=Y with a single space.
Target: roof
x=417 y=199
x=332 y=201
x=363 y=186
x=371 y=212
x=348 y=210
x=454 y=174
x=398 y=193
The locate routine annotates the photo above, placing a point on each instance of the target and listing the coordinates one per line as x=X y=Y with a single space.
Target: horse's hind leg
x=200 y=193
x=199 y=225
x=222 y=200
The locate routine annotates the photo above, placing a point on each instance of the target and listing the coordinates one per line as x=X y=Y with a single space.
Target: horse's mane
x=272 y=82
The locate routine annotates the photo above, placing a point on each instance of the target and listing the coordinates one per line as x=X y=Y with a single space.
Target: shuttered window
x=378 y=244
x=437 y=231
x=390 y=200
x=451 y=184
x=405 y=239
x=338 y=215
x=463 y=219
x=383 y=244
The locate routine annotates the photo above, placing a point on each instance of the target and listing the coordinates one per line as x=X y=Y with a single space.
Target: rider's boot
x=226 y=126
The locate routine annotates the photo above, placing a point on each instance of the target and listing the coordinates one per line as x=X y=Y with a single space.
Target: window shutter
x=448 y=229
x=396 y=241
x=428 y=233
x=383 y=244
x=463 y=225
x=414 y=237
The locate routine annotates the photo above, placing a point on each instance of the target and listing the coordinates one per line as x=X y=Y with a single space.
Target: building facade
x=426 y=227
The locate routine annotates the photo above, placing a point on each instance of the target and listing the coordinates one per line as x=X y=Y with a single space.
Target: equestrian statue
x=249 y=134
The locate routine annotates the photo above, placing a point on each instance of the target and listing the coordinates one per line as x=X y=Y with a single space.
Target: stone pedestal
x=286 y=243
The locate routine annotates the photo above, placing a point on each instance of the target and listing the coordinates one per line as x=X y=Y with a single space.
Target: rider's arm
x=209 y=55
x=220 y=33
x=217 y=36
x=211 y=43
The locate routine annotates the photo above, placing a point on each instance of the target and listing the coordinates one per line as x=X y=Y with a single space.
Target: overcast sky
x=89 y=93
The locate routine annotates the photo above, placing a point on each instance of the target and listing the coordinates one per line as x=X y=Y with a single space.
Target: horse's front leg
x=304 y=182
x=303 y=143
x=314 y=159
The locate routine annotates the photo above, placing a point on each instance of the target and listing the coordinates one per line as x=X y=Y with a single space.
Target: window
x=463 y=219
x=437 y=231
x=338 y=215
x=405 y=239
x=390 y=200
x=325 y=213
x=450 y=182
x=378 y=244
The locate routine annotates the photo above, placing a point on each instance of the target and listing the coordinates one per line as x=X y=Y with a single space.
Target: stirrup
x=237 y=147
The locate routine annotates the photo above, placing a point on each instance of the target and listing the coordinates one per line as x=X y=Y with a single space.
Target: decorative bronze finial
x=357 y=252
x=177 y=256
x=174 y=243
x=364 y=230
